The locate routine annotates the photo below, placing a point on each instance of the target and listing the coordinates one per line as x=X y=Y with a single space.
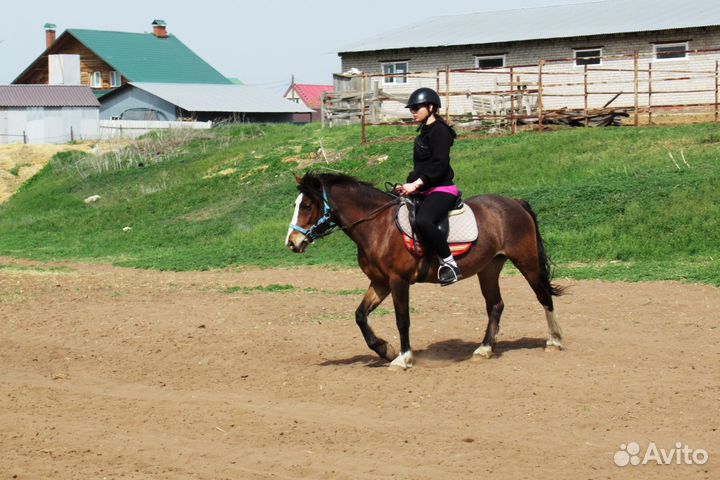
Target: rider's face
x=420 y=113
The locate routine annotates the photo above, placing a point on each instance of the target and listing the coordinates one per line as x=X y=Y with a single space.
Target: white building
x=48 y=114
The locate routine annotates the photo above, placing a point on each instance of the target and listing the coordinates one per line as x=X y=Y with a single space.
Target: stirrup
x=447 y=275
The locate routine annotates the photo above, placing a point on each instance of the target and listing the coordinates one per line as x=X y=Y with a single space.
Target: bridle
x=324 y=225
x=328 y=222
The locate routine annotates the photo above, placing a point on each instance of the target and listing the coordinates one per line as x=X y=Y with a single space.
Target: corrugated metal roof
x=558 y=21
x=143 y=57
x=310 y=94
x=46 y=96
x=220 y=98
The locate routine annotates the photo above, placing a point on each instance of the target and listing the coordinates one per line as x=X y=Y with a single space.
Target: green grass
x=611 y=203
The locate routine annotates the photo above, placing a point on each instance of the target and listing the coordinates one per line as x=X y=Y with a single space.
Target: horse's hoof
x=388 y=352
x=402 y=362
x=553 y=345
x=483 y=351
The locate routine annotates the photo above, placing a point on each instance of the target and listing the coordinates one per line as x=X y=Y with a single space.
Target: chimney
x=49 y=34
x=159 y=28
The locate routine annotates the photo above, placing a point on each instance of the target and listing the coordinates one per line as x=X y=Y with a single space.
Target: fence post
x=650 y=122
x=716 y=89
x=637 y=118
x=447 y=93
x=362 y=108
x=540 y=92
x=72 y=135
x=24 y=138
x=513 y=117
x=322 y=110
x=585 y=82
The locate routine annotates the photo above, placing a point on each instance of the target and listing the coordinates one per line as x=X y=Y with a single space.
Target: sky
x=263 y=43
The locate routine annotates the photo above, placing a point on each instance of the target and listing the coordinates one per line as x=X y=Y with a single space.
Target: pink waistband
x=451 y=189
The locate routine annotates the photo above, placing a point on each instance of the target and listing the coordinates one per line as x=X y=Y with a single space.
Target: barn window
x=489 y=61
x=96 y=79
x=588 y=56
x=395 y=72
x=671 y=51
x=114 y=79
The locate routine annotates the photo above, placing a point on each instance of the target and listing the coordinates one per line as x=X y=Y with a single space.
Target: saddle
x=460 y=228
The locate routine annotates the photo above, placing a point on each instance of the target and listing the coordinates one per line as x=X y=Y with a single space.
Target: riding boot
x=448 y=274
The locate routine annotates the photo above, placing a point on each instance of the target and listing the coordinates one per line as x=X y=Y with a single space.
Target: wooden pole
x=650 y=121
x=362 y=108
x=637 y=81
x=540 y=94
x=322 y=110
x=716 y=89
x=437 y=80
x=513 y=117
x=585 y=81
x=447 y=93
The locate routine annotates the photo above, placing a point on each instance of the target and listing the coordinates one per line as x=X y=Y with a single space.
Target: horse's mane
x=312 y=183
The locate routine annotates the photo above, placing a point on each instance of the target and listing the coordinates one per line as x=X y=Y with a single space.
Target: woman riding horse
x=432 y=179
x=367 y=216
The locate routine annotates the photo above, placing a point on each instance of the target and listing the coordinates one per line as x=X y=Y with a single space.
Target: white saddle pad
x=463 y=227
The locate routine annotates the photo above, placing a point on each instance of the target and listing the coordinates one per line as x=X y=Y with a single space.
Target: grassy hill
x=612 y=204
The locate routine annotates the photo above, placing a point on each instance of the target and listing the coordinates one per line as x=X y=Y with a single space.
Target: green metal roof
x=143 y=57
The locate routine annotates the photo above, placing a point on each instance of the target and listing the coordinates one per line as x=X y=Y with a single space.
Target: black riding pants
x=431 y=211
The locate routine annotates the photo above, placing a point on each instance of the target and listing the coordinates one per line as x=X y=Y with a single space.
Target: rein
x=326 y=224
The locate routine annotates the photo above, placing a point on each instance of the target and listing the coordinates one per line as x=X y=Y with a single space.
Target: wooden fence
x=625 y=89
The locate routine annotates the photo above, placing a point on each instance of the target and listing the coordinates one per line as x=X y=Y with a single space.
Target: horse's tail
x=543 y=259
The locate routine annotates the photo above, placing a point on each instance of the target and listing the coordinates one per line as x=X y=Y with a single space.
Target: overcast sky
x=262 y=42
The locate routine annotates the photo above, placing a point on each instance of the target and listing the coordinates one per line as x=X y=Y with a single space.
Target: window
x=114 y=79
x=489 y=61
x=395 y=72
x=588 y=56
x=96 y=80
x=671 y=51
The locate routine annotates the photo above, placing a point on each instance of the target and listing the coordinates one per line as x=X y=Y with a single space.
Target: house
x=201 y=102
x=308 y=95
x=669 y=36
x=47 y=114
x=104 y=60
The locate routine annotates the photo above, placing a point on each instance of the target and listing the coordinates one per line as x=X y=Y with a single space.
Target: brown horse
x=508 y=230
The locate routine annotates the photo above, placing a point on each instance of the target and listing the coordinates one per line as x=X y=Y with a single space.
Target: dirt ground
x=112 y=373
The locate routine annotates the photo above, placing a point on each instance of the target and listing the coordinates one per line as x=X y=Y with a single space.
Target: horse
x=508 y=230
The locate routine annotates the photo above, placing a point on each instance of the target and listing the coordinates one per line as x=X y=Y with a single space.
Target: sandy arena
x=112 y=373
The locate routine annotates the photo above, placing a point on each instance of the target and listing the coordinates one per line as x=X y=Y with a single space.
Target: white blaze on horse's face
x=289 y=242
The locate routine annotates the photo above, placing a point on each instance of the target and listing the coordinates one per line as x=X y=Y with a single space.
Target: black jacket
x=431 y=155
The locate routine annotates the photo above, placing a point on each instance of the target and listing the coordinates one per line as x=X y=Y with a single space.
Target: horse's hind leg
x=490 y=287
x=541 y=286
x=374 y=296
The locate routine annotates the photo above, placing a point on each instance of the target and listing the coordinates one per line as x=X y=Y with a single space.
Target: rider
x=432 y=177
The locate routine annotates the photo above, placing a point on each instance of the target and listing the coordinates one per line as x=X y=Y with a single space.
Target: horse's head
x=311 y=218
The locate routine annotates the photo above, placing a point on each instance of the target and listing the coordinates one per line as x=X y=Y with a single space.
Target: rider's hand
x=409 y=188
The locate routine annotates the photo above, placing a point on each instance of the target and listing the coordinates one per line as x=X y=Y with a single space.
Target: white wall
x=49 y=125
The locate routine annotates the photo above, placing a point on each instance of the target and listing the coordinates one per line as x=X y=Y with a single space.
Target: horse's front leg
x=374 y=296
x=401 y=300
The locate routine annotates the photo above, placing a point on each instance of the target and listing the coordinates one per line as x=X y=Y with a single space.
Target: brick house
x=669 y=36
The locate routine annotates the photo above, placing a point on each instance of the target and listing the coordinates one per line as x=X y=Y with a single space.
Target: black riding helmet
x=424 y=96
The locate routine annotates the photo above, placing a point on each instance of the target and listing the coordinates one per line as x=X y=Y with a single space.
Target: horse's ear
x=298 y=179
